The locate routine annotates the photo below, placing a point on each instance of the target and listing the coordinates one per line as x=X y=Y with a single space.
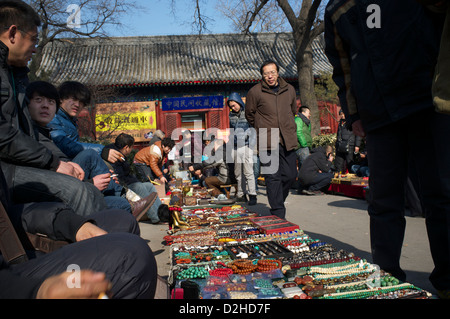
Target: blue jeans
x=359 y=170
x=256 y=168
x=39 y=185
x=302 y=154
x=143 y=190
x=118 y=202
x=93 y=165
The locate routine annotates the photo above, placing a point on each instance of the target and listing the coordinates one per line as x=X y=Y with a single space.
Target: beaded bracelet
x=221 y=272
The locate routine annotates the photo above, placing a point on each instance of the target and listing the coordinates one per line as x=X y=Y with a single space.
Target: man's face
x=234 y=106
x=21 y=44
x=127 y=150
x=270 y=74
x=166 y=149
x=42 y=109
x=73 y=107
x=307 y=113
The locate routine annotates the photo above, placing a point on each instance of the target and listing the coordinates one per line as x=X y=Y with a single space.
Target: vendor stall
x=228 y=252
x=349 y=185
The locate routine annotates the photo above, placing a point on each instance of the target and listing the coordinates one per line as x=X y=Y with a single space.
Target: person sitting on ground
x=149 y=161
x=217 y=160
x=190 y=148
x=360 y=166
x=43 y=103
x=157 y=136
x=315 y=174
x=202 y=174
x=74 y=96
x=34 y=173
x=124 y=143
x=107 y=251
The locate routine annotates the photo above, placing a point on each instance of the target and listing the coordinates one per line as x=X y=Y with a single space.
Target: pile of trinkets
x=225 y=255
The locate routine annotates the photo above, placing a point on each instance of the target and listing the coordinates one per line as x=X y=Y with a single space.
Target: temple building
x=167 y=82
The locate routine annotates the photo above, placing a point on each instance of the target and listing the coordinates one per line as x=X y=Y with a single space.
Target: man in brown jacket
x=151 y=159
x=270 y=109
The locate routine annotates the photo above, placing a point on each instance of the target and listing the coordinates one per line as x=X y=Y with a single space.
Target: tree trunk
x=306 y=87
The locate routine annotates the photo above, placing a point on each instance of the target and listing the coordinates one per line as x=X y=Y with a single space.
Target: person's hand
x=114 y=156
x=87 y=231
x=358 y=128
x=163 y=179
x=71 y=169
x=92 y=285
x=102 y=181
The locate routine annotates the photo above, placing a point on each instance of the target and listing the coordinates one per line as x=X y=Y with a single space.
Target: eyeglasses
x=34 y=38
x=267 y=74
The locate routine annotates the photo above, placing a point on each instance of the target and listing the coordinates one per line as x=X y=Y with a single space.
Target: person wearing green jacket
x=303 y=122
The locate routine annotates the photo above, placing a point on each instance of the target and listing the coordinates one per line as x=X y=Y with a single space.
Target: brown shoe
x=140 y=207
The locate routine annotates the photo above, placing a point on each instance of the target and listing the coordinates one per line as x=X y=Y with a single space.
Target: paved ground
x=338 y=220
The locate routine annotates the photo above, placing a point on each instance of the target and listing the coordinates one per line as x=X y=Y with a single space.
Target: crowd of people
x=92 y=196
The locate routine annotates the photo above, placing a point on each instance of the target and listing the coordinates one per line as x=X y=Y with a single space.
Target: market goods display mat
x=228 y=252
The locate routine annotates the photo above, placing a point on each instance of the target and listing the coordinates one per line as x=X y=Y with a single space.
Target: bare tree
x=305 y=22
x=269 y=18
x=306 y=26
x=71 y=18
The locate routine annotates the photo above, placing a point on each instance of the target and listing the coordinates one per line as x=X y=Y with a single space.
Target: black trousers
x=278 y=177
x=122 y=255
x=421 y=140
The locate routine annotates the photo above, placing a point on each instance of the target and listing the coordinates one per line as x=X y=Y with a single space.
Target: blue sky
x=157 y=19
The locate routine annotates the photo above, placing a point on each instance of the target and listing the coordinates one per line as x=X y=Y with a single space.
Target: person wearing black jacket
x=347 y=144
x=217 y=153
x=105 y=247
x=32 y=171
x=315 y=173
x=157 y=211
x=384 y=55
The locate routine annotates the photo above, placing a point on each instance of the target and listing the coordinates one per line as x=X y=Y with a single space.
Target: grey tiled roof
x=167 y=60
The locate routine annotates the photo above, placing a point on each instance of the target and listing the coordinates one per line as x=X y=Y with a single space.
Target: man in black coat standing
x=384 y=54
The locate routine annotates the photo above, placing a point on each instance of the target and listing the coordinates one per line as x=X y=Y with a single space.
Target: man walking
x=270 y=108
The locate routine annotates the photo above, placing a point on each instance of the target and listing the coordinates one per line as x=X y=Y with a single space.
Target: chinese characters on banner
x=192 y=103
x=133 y=118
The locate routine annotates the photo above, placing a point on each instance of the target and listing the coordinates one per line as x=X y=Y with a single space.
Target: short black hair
x=75 y=90
x=266 y=63
x=16 y=12
x=44 y=89
x=167 y=141
x=303 y=108
x=123 y=140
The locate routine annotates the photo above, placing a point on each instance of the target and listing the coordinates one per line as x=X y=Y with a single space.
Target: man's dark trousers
x=279 y=180
x=422 y=139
